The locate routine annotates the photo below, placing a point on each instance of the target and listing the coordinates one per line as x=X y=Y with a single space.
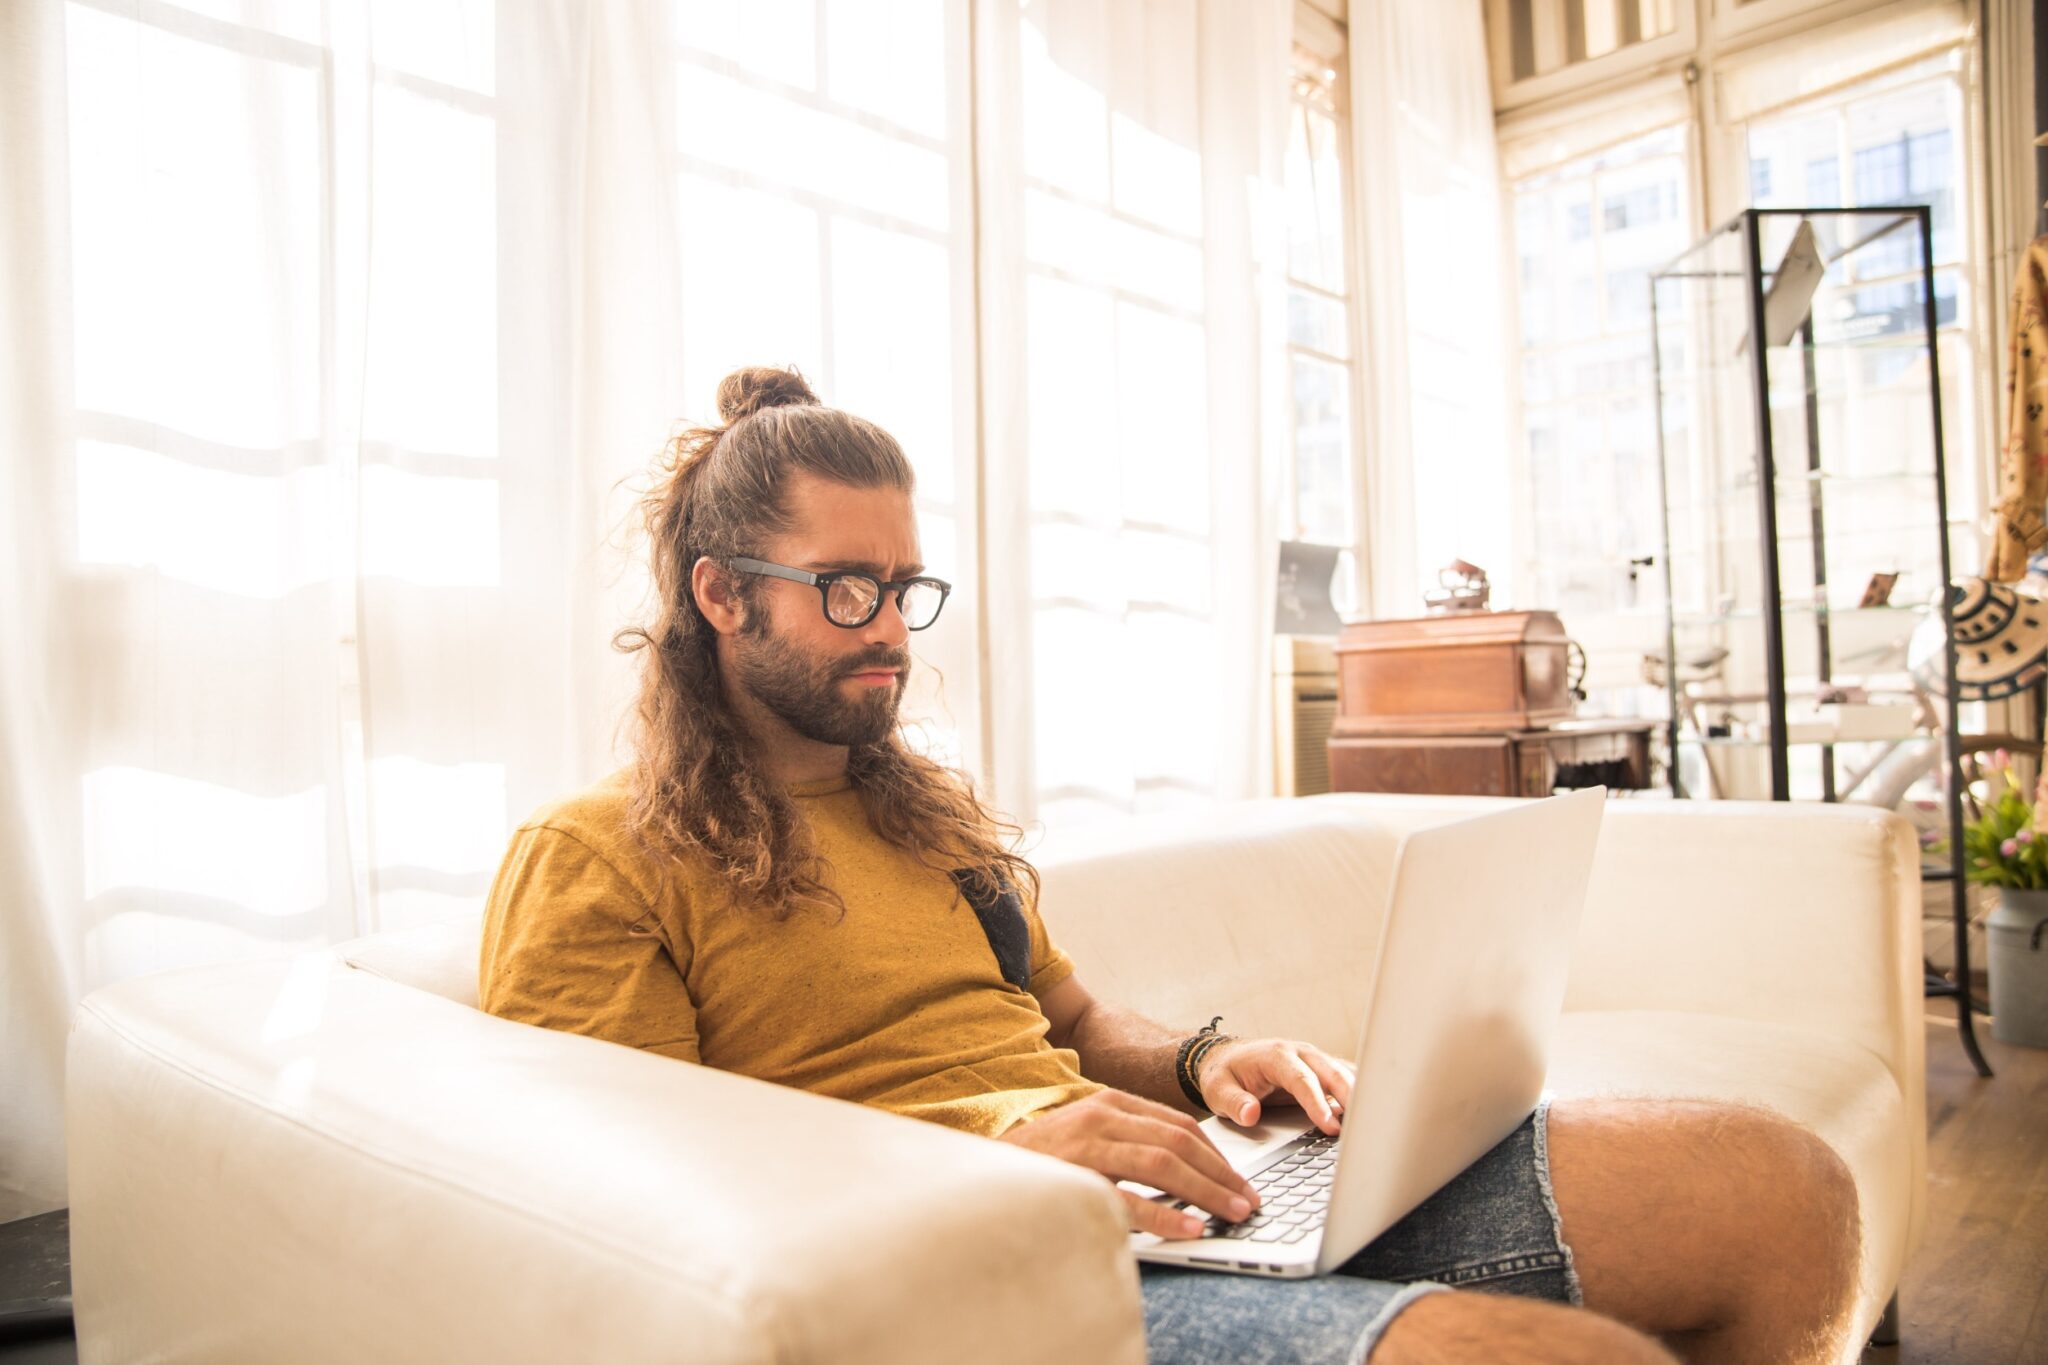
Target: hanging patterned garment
x=2023 y=464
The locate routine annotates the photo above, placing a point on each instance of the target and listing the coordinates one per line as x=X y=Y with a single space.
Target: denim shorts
x=1493 y=1228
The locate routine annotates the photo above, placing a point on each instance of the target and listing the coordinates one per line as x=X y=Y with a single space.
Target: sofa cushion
x=1838 y=1090
x=441 y=957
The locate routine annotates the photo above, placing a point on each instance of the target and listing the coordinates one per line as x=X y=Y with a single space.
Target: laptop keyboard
x=1294 y=1195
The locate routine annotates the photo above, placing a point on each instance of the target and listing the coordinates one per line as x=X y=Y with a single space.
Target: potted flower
x=2007 y=847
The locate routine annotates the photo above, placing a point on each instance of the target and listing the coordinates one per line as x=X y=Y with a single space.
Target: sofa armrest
x=1793 y=913
x=296 y=1160
x=1784 y=913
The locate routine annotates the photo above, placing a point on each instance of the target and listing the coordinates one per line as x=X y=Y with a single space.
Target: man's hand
x=1236 y=1078
x=1125 y=1137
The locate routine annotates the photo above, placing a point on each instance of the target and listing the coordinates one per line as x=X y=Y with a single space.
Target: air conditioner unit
x=1304 y=709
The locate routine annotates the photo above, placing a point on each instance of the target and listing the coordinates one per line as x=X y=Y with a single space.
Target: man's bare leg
x=1728 y=1231
x=1469 y=1326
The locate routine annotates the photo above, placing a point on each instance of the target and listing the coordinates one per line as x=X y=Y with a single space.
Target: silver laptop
x=1461 y=1002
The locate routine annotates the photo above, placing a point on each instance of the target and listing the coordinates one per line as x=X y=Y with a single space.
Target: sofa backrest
x=1259 y=911
x=1265 y=912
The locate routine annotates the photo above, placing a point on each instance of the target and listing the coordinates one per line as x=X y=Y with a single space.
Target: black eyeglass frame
x=823 y=583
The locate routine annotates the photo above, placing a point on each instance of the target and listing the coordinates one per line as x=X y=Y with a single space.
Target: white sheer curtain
x=1136 y=371
x=335 y=337
x=300 y=547
x=1439 y=471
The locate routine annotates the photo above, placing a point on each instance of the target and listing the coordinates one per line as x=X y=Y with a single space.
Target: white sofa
x=338 y=1157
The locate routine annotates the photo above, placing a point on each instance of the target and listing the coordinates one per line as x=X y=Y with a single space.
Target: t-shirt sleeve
x=1049 y=966
x=570 y=944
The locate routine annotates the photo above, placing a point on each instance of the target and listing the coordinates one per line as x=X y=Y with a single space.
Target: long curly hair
x=697 y=794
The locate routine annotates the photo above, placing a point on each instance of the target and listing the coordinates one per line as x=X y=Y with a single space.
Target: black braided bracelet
x=1190 y=1056
x=1201 y=1053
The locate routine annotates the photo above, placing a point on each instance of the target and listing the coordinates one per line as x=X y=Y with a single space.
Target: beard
x=805 y=694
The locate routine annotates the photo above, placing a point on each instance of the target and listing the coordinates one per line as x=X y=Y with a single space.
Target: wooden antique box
x=1480 y=672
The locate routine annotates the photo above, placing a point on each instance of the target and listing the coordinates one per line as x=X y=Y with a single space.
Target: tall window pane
x=1890 y=140
x=1587 y=234
x=1321 y=505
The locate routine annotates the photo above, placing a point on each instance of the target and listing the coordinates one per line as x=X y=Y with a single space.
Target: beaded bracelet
x=1188 y=1060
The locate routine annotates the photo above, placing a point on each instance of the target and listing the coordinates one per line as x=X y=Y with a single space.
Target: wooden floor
x=1976 y=1292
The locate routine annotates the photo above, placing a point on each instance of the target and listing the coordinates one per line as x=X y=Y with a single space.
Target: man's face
x=830 y=684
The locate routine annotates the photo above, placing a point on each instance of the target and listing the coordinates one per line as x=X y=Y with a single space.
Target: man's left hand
x=1238 y=1078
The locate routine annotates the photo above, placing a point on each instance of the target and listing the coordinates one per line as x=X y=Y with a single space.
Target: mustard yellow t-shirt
x=901 y=1005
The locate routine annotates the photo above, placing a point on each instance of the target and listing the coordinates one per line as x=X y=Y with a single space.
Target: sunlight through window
x=252 y=535
x=168 y=838
x=195 y=233
x=442 y=817
x=429 y=528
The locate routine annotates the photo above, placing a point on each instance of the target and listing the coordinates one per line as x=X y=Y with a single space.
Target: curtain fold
x=39 y=968
x=301 y=604
x=338 y=337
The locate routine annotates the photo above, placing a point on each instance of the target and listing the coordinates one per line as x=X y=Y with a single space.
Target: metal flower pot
x=2017 y=939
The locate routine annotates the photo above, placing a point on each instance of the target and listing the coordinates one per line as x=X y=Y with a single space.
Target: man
x=778 y=886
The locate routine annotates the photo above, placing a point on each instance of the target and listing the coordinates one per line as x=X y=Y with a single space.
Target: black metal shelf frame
x=1748 y=224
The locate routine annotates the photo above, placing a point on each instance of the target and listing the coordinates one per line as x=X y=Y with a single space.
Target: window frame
x=1705 y=29
x=1636 y=59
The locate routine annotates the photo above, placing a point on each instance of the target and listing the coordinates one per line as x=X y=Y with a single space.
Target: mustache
x=884 y=659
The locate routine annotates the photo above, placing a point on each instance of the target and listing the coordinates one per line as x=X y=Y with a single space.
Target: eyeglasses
x=852 y=599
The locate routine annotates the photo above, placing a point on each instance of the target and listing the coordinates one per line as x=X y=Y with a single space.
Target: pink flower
x=2001 y=758
x=2025 y=836
x=2009 y=847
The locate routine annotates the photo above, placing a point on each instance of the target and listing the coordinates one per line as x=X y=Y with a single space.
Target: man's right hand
x=1126 y=1137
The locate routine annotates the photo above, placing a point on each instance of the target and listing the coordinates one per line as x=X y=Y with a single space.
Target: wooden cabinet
x=1472 y=704
x=1510 y=763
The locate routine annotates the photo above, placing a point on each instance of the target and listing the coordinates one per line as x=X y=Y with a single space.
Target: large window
x=1121 y=514
x=1896 y=139
x=288 y=484
x=1587 y=233
x=1605 y=185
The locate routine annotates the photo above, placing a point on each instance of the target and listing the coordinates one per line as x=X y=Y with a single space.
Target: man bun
x=746 y=391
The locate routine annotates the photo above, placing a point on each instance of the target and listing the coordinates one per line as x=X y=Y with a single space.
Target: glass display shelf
x=1798 y=392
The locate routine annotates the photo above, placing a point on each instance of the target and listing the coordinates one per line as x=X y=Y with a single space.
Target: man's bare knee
x=1466 y=1326
x=1809 y=1238
x=1693 y=1217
